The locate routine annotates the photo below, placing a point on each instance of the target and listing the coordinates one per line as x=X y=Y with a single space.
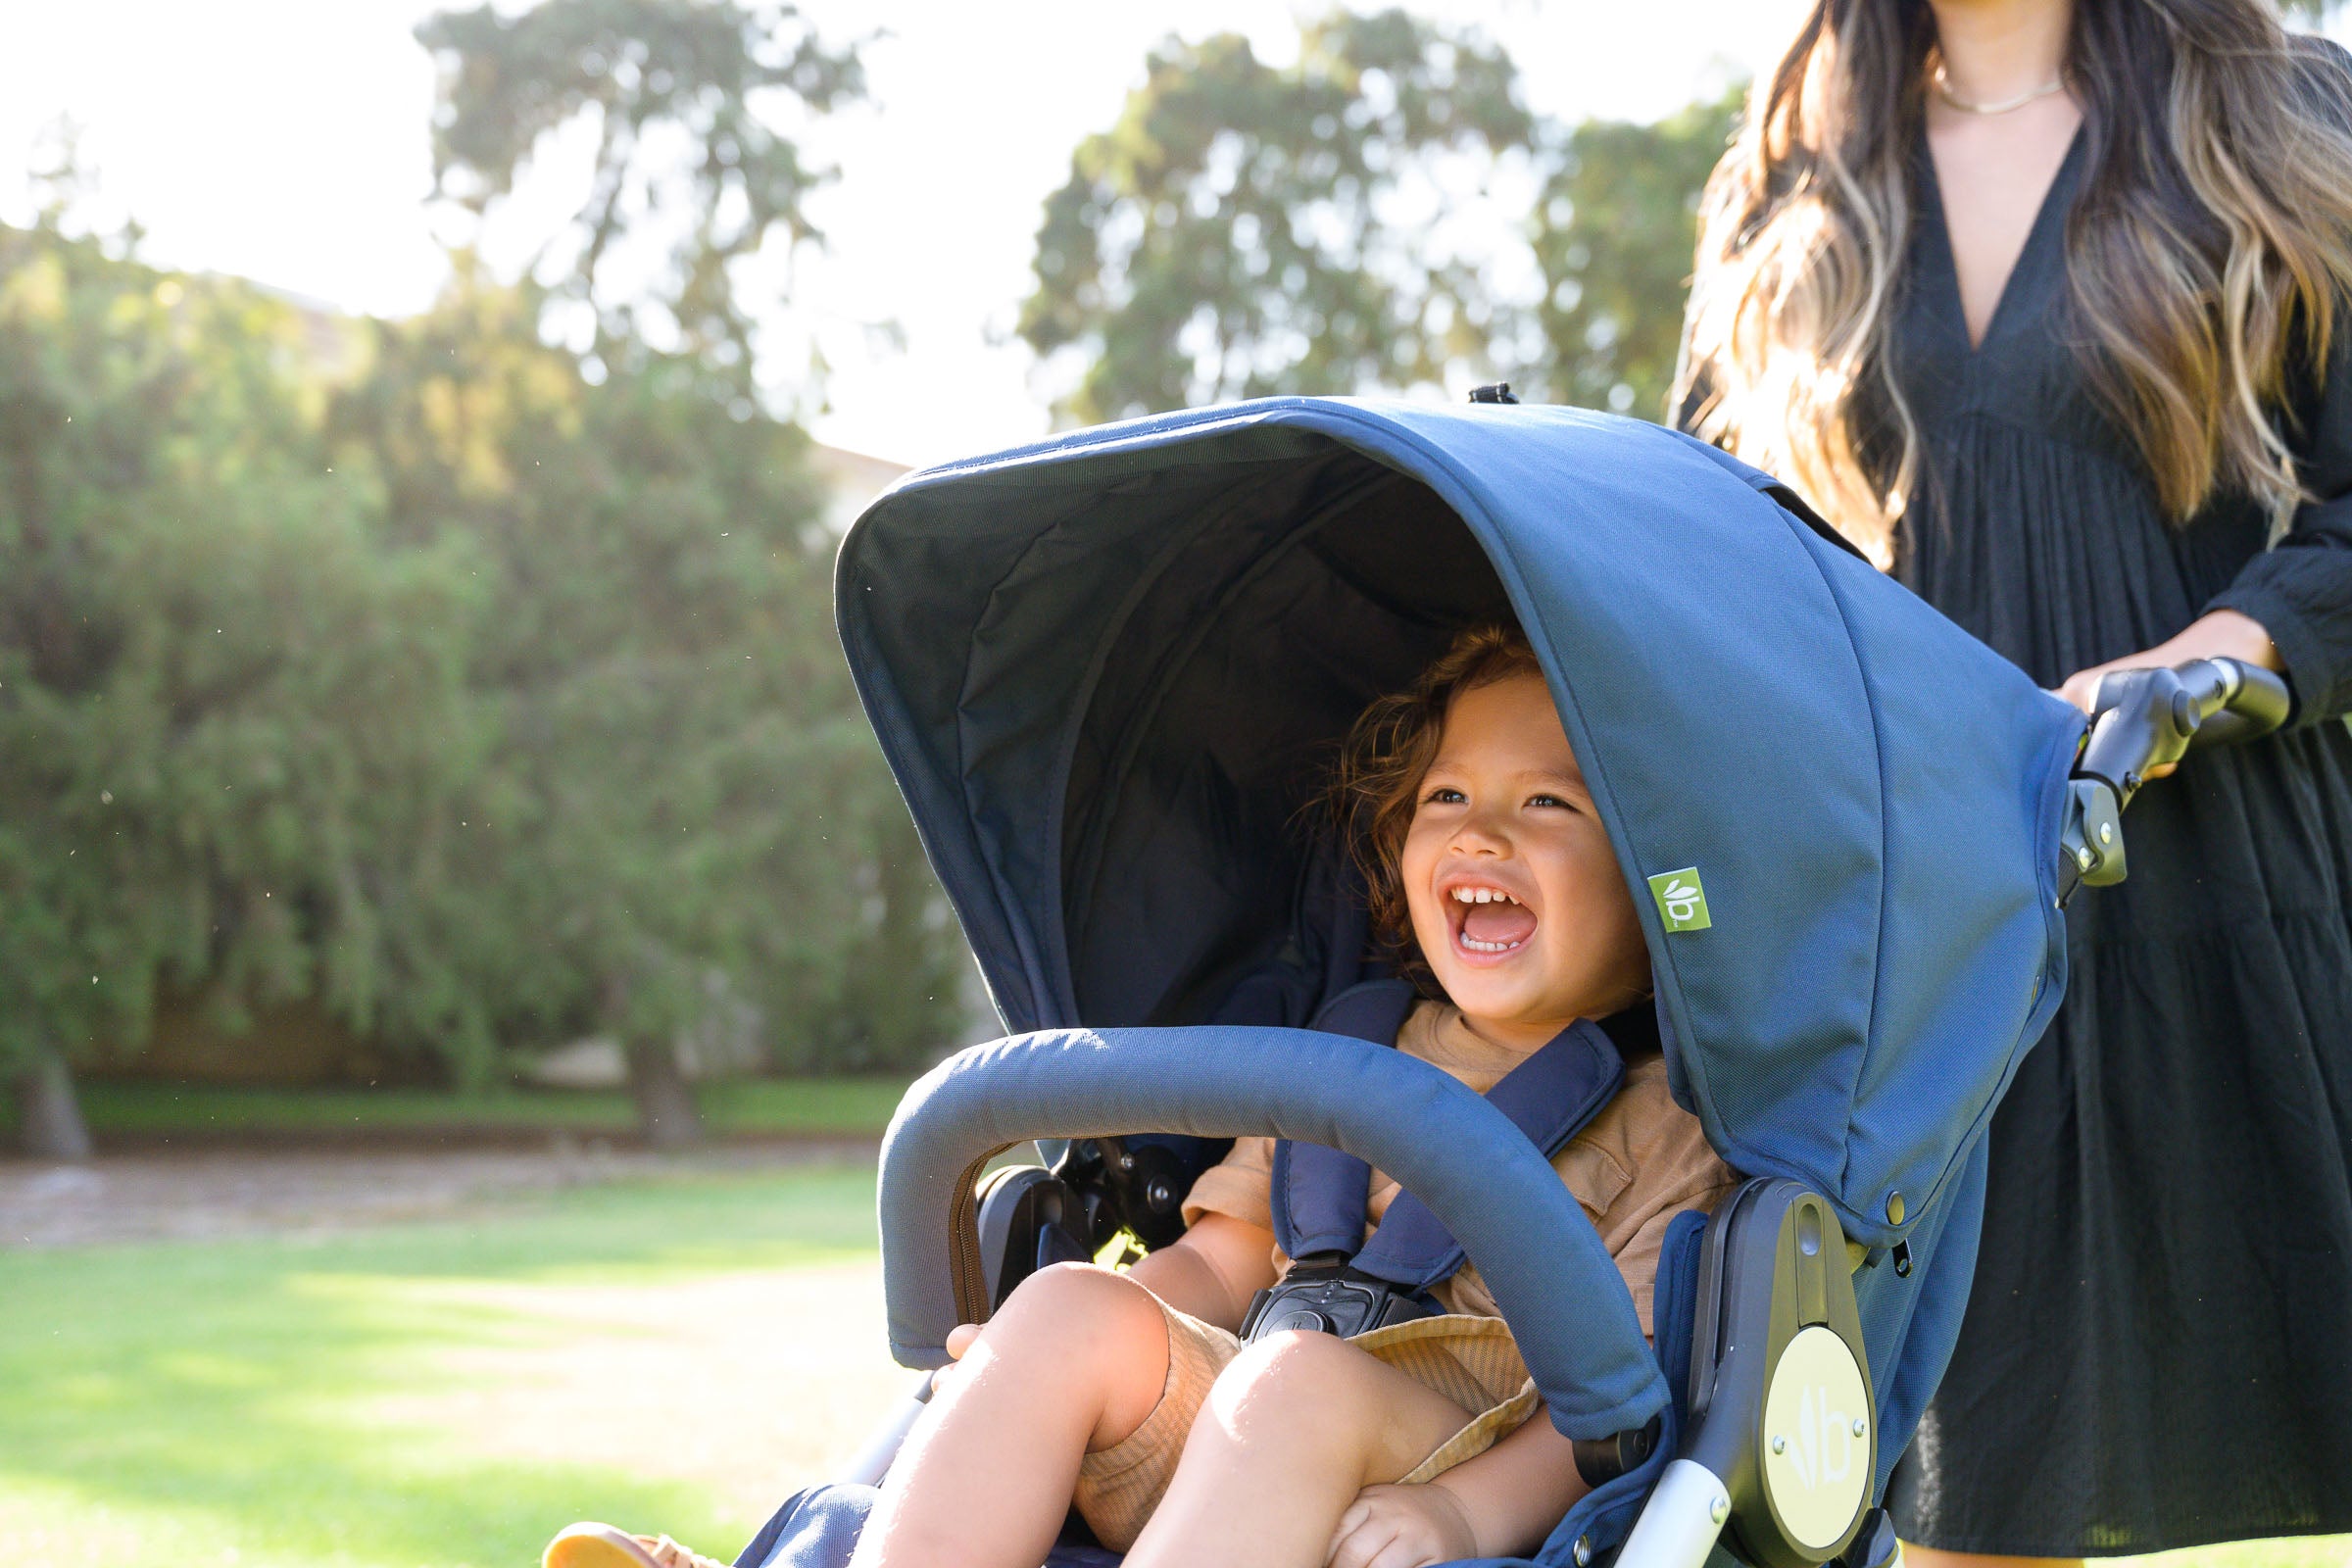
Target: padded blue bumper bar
x=1555 y=1283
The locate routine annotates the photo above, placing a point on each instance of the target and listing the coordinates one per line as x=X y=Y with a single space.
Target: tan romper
x=1639 y=1163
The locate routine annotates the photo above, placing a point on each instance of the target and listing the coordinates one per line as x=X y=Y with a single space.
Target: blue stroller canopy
x=1108 y=670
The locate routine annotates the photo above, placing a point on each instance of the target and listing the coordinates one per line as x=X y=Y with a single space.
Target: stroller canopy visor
x=1110 y=668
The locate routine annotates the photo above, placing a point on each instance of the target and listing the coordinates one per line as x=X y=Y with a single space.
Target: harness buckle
x=1323 y=1295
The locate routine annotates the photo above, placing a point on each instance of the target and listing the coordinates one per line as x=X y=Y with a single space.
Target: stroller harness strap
x=1319 y=1193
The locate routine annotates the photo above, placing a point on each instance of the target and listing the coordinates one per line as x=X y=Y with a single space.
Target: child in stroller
x=1858 y=828
x=1494 y=886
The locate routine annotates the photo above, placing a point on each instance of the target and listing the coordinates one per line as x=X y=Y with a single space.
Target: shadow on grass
x=212 y=1397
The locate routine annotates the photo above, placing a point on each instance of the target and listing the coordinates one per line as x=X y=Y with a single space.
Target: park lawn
x=325 y=1403
x=751 y=1107
x=351 y=1401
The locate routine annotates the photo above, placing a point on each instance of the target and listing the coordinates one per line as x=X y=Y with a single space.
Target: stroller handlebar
x=2143 y=719
x=1554 y=1281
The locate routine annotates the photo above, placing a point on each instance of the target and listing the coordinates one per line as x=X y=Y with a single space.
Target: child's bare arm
x=1212 y=1270
x=1501 y=1504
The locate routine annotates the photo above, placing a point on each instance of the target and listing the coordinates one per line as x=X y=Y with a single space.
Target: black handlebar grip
x=2147 y=718
x=2253 y=703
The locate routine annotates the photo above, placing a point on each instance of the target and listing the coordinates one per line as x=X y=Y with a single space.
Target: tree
x=690 y=168
x=219 y=702
x=1614 y=234
x=1244 y=230
x=1334 y=227
x=686 y=792
x=678 y=793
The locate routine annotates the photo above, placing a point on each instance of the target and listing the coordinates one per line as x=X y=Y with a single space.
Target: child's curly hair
x=1374 y=787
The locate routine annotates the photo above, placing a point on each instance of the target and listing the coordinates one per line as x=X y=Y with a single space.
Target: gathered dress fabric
x=2158 y=1349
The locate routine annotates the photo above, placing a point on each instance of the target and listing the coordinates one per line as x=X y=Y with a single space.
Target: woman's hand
x=1403 y=1527
x=2223 y=634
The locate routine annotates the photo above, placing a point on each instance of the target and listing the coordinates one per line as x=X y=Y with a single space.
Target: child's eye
x=1443 y=795
x=1549 y=799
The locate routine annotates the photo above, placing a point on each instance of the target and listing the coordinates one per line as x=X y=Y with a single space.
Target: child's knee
x=1076 y=1309
x=1297 y=1375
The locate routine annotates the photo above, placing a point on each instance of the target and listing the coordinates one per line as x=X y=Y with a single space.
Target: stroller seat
x=1107 y=670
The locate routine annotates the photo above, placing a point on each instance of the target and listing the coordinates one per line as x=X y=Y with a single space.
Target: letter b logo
x=1682 y=899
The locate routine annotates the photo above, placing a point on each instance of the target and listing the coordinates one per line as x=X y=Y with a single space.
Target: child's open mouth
x=1487 y=920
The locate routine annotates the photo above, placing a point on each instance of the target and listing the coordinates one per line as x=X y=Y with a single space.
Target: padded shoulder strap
x=1549 y=1097
x=1318 y=1194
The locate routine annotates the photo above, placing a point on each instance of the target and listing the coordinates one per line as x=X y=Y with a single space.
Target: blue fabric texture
x=1499 y=1198
x=1318 y=1194
x=820 y=1529
x=815 y=1528
x=1103 y=667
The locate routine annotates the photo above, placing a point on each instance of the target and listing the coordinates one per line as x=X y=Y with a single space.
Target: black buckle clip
x=1322 y=1295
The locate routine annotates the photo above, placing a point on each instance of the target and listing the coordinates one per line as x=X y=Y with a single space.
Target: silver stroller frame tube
x=1682 y=1521
x=873 y=1462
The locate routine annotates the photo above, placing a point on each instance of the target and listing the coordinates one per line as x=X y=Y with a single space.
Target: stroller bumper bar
x=1556 y=1285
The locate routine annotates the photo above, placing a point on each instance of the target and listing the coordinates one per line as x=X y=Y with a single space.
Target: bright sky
x=287 y=141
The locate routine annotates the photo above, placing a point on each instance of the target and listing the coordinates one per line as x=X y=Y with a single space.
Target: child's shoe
x=588 y=1545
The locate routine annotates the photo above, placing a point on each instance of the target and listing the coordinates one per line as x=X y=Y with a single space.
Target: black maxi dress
x=2158 y=1351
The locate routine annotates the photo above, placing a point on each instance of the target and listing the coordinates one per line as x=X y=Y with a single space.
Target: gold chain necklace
x=1944 y=90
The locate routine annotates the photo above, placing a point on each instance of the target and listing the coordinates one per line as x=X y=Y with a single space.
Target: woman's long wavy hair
x=2204 y=254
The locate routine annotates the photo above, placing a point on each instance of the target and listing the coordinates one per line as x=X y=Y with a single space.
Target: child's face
x=1514 y=892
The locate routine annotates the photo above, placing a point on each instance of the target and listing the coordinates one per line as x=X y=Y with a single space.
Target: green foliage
x=1246 y=231
x=685 y=96
x=1614 y=236
x=678 y=808
x=684 y=810
x=481 y=704
x=484 y=692
x=221 y=704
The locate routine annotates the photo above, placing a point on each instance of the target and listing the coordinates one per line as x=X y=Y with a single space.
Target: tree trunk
x=666 y=1108
x=49 y=1124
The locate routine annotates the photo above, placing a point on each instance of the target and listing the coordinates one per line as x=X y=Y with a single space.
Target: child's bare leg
x=1294 y=1428
x=1074 y=1362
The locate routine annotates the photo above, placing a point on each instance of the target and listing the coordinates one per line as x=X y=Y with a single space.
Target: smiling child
x=1493 y=886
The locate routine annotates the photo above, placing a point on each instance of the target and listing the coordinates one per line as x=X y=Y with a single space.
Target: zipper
x=968 y=1270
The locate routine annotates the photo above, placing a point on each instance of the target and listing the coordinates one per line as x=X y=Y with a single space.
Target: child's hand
x=1401 y=1527
x=959 y=1342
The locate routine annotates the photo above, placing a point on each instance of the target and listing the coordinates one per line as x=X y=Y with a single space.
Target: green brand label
x=1682 y=899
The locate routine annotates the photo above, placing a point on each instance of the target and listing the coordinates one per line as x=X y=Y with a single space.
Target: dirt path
x=199 y=1194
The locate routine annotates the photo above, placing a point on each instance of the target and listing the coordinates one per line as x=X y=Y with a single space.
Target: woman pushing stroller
x=1134 y=1398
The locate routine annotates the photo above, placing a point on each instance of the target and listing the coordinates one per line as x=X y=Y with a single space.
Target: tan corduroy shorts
x=1470 y=1360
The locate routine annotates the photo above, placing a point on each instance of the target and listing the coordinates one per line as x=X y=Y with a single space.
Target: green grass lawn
x=226 y=1402
x=202 y=1403
x=786 y=1107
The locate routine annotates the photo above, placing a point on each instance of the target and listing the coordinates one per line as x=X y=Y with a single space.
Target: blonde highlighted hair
x=2204 y=254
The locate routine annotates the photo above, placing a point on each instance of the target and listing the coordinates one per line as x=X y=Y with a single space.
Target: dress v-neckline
x=2037 y=236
